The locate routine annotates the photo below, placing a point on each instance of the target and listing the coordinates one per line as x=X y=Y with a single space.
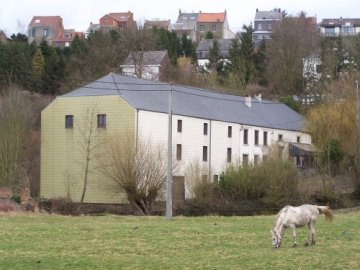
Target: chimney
x=248 y=101
x=179 y=11
x=258 y=97
x=257 y=10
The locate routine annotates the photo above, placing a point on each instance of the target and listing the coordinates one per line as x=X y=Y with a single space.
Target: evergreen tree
x=260 y=64
x=38 y=64
x=188 y=49
x=209 y=35
x=214 y=55
x=247 y=52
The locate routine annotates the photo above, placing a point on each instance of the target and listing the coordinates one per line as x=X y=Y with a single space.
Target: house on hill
x=152 y=65
x=45 y=27
x=345 y=27
x=212 y=128
x=217 y=23
x=51 y=29
x=204 y=47
x=264 y=24
x=166 y=25
x=186 y=23
x=118 y=21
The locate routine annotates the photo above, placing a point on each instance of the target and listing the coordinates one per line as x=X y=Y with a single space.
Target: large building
x=212 y=128
x=264 y=24
x=216 y=23
x=186 y=23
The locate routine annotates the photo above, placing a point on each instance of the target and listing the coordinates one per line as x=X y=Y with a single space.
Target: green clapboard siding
x=62 y=157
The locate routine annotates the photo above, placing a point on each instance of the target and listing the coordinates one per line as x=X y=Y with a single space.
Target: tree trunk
x=356 y=175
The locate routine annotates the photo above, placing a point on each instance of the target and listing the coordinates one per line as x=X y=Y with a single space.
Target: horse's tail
x=326 y=211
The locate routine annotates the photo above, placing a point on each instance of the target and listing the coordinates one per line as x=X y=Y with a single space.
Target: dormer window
x=37 y=21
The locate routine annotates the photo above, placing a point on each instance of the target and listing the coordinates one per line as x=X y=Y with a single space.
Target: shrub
x=274 y=182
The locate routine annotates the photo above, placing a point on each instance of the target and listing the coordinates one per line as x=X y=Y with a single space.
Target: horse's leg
x=313 y=232
x=294 y=235
x=309 y=239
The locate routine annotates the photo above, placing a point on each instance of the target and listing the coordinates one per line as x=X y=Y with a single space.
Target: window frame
x=205 y=153
x=205 y=129
x=265 y=138
x=246 y=136
x=69 y=121
x=101 y=120
x=178 y=151
x=179 y=125
x=228 y=155
x=229 y=131
x=256 y=137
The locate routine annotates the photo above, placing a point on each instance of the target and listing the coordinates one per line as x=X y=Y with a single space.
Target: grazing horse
x=293 y=217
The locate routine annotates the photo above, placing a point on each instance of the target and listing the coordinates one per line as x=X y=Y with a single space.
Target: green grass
x=118 y=242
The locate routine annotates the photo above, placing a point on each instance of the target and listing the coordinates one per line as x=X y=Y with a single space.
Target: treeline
x=48 y=70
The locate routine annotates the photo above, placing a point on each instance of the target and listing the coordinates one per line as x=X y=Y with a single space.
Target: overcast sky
x=15 y=15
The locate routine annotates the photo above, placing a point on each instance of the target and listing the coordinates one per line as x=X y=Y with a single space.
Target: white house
x=152 y=65
x=212 y=128
x=340 y=27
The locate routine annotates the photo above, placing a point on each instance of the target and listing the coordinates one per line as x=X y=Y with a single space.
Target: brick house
x=45 y=27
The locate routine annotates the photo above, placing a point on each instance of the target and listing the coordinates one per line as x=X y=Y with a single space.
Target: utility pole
x=169 y=163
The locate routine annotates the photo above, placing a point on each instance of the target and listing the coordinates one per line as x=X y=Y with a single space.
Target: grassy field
x=118 y=242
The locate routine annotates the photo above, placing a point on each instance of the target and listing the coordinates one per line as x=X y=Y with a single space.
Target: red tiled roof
x=211 y=17
x=121 y=16
x=45 y=20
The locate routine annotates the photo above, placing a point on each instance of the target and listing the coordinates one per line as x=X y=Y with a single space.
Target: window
x=202 y=28
x=330 y=31
x=246 y=132
x=101 y=120
x=265 y=138
x=46 y=32
x=33 y=31
x=348 y=30
x=216 y=178
x=280 y=137
x=229 y=131
x=256 y=159
x=178 y=152
x=179 y=125
x=298 y=139
x=259 y=26
x=256 y=137
x=205 y=131
x=69 y=121
x=228 y=155
x=213 y=28
x=205 y=153
x=245 y=159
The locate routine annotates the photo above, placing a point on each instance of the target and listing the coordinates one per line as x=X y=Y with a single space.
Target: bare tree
x=90 y=141
x=16 y=119
x=294 y=39
x=138 y=168
x=137 y=42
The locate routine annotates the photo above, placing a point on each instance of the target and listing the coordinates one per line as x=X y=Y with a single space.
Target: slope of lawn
x=212 y=242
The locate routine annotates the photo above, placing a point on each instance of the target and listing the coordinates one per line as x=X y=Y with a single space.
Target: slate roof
x=158 y=24
x=187 y=18
x=149 y=58
x=340 y=22
x=205 y=45
x=150 y=95
x=268 y=15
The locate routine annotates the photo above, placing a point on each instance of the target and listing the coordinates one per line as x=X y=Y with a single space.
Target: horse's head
x=275 y=239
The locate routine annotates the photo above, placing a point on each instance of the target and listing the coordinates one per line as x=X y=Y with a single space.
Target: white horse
x=293 y=217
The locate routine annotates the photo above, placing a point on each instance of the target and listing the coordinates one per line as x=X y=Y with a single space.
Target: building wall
x=149 y=72
x=208 y=27
x=192 y=140
x=62 y=158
